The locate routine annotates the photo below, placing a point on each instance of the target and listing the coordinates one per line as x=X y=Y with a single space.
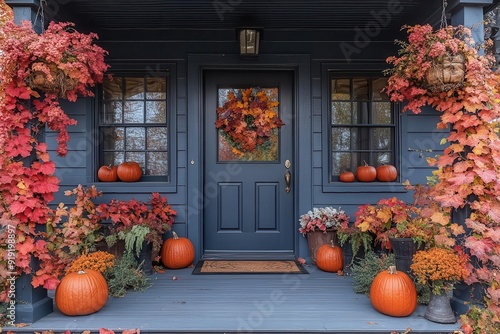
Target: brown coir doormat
x=248 y=267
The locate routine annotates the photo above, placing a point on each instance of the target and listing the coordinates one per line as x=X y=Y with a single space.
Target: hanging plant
x=434 y=62
x=59 y=61
x=248 y=118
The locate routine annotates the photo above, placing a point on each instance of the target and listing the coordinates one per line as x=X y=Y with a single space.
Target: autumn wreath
x=248 y=118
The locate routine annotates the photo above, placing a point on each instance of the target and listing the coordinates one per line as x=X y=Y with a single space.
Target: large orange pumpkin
x=129 y=171
x=387 y=173
x=366 y=173
x=83 y=292
x=393 y=293
x=177 y=252
x=329 y=258
x=107 y=173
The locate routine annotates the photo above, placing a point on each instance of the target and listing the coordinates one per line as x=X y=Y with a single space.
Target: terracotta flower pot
x=316 y=239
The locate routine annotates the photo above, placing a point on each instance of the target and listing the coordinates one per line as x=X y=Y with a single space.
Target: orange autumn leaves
x=248 y=118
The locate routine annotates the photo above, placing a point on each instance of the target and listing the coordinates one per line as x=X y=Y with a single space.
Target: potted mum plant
x=320 y=225
x=140 y=224
x=440 y=268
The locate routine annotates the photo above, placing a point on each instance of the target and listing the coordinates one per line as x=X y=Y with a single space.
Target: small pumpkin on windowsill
x=107 y=173
x=366 y=173
x=387 y=173
x=129 y=171
x=347 y=176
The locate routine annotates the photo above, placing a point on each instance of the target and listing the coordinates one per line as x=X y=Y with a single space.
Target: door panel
x=246 y=207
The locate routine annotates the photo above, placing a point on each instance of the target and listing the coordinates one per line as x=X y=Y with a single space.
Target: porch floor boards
x=300 y=303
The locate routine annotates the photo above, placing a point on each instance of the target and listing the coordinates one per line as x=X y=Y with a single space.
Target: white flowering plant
x=321 y=219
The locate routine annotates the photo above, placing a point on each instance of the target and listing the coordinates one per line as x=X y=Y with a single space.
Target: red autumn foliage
x=468 y=171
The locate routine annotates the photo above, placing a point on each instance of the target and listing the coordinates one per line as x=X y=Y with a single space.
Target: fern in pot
x=141 y=225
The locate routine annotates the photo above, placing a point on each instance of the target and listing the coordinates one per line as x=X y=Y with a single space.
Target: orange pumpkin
x=393 y=293
x=177 y=252
x=107 y=173
x=386 y=173
x=129 y=171
x=366 y=173
x=80 y=293
x=329 y=258
x=346 y=176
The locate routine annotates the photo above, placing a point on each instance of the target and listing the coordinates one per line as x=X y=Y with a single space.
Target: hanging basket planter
x=48 y=78
x=446 y=73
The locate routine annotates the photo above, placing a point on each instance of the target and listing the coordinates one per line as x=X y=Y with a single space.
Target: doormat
x=217 y=267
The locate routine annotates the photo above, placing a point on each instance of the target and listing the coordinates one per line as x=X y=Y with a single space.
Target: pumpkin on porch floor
x=81 y=293
x=329 y=258
x=393 y=293
x=177 y=252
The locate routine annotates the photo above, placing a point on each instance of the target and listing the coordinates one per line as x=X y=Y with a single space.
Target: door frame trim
x=197 y=64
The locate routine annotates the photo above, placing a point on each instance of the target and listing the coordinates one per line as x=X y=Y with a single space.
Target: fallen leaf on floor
x=301 y=260
x=340 y=273
x=132 y=331
x=174 y=278
x=20 y=325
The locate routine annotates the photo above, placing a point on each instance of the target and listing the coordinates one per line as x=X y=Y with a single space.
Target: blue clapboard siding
x=317 y=302
x=416 y=130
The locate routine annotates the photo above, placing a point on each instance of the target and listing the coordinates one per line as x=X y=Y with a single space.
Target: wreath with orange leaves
x=248 y=118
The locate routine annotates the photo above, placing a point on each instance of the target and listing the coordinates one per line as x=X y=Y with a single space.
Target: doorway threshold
x=248 y=255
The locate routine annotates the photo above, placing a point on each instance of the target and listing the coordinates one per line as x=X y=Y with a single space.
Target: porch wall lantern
x=249 y=42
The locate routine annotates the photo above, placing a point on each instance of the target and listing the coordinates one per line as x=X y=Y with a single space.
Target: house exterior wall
x=417 y=135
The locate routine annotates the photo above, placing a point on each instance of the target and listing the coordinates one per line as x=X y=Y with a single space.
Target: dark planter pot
x=404 y=249
x=465 y=295
x=145 y=258
x=316 y=239
x=349 y=258
x=439 y=310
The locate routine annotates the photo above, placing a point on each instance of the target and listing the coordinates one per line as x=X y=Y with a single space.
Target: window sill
x=135 y=187
x=368 y=187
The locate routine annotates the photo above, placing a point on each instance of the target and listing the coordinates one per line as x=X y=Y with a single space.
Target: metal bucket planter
x=439 y=309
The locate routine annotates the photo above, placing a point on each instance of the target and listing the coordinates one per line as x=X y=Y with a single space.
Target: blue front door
x=248 y=182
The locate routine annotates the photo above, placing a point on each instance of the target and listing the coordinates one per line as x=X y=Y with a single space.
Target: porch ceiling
x=111 y=15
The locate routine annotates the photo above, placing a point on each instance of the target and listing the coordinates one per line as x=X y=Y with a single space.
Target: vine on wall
x=468 y=171
x=57 y=57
